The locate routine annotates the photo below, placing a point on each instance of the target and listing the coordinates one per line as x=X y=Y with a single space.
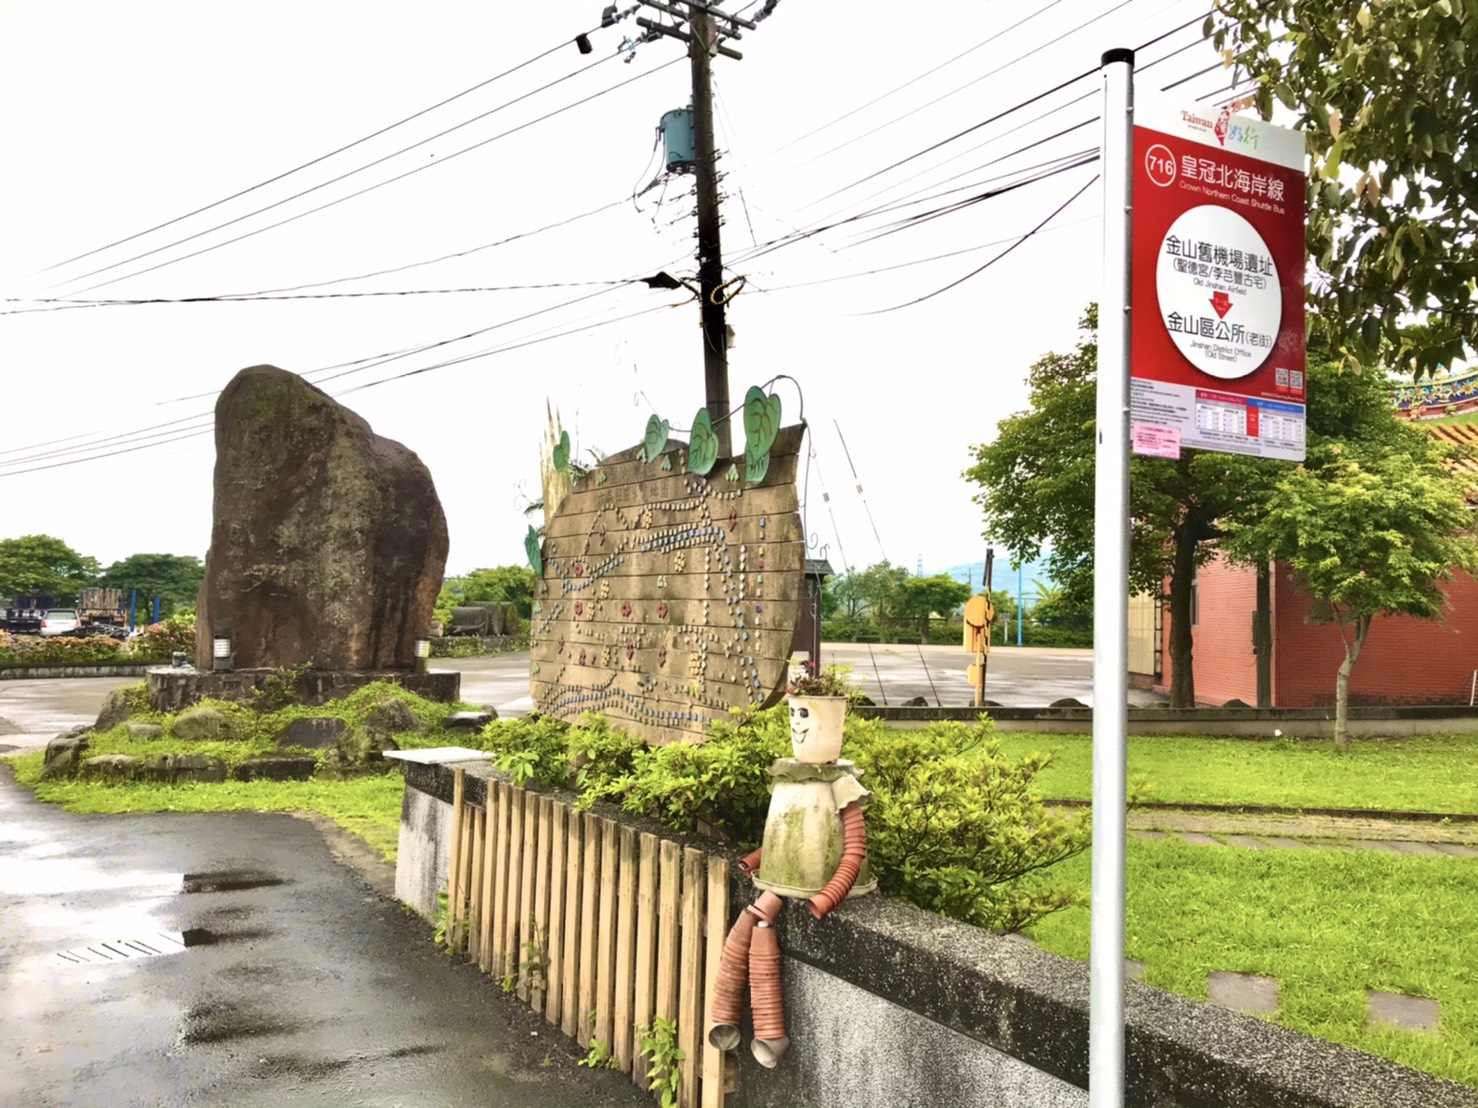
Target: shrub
x=62 y=651
x=530 y=750
x=159 y=640
x=954 y=827
x=723 y=784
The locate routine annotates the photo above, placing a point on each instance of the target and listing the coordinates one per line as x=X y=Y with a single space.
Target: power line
x=1018 y=127
x=57 y=305
x=358 y=366
x=974 y=81
x=381 y=184
x=334 y=180
x=917 y=261
x=562 y=44
x=899 y=88
x=188 y=433
x=982 y=268
x=444 y=257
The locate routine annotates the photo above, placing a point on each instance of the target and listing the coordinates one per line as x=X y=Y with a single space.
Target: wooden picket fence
x=597 y=927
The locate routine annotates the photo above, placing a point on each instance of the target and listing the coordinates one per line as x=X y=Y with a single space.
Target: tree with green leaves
x=1036 y=483
x=1052 y=606
x=501 y=584
x=923 y=598
x=1386 y=94
x=1366 y=530
x=174 y=578
x=41 y=565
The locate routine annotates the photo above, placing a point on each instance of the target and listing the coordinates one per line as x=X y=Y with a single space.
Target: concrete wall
x=890 y=1006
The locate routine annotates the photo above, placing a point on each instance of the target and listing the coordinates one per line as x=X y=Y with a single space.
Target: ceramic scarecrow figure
x=814 y=849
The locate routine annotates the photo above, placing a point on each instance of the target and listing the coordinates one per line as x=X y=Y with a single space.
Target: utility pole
x=710 y=248
x=708 y=27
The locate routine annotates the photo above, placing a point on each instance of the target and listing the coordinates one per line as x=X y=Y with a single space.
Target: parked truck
x=103 y=611
x=24 y=613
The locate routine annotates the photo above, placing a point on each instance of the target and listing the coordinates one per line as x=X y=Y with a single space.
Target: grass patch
x=1327 y=924
x=367 y=806
x=1437 y=773
x=1466 y=417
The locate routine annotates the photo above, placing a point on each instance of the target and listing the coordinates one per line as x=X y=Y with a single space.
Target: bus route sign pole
x=1111 y=594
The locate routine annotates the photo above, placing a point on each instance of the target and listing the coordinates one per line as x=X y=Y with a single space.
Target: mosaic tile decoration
x=668 y=598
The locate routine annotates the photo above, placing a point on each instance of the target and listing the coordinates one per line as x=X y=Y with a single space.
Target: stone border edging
x=1033 y=1005
x=79 y=669
x=1273 y=810
x=1174 y=715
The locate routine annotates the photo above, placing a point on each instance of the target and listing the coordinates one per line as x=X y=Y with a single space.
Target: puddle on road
x=204 y=936
x=217 y=1022
x=316 y=1069
x=229 y=880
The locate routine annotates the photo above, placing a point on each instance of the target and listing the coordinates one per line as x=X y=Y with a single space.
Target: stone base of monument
x=171 y=689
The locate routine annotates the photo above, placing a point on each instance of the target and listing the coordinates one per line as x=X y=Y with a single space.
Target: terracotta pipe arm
x=854 y=849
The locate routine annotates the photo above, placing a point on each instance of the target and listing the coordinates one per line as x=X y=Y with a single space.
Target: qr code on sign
x=1297 y=380
x=1282 y=378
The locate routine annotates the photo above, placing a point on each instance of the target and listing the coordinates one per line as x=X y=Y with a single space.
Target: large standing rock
x=328 y=542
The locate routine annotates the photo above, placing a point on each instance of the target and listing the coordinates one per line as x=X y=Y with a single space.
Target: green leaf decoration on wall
x=761 y=421
x=755 y=465
x=703 y=450
x=733 y=474
x=761 y=426
x=562 y=452
x=666 y=462
x=531 y=548
x=655 y=439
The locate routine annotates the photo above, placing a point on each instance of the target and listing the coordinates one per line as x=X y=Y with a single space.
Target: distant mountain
x=1003 y=576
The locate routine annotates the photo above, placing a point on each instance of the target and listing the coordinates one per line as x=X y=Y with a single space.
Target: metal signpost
x=1111 y=597
x=1203 y=238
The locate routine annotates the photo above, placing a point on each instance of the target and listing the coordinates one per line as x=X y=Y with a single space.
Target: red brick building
x=1405 y=661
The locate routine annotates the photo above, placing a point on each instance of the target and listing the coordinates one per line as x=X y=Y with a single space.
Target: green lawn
x=1434 y=774
x=1327 y=924
x=1466 y=417
x=367 y=806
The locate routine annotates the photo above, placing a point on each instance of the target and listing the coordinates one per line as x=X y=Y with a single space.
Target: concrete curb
x=1270 y=810
x=1247 y=723
x=90 y=669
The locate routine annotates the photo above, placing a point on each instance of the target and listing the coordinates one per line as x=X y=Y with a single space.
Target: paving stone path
x=1294 y=832
x=1257 y=994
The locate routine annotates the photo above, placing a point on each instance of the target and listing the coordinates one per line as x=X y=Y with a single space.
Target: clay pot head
x=816 y=727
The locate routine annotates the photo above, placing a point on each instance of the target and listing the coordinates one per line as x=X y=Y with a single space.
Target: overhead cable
x=562 y=44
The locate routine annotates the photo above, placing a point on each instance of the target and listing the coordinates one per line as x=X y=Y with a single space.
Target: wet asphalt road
x=298 y=985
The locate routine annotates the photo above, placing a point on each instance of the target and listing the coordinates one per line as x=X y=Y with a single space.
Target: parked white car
x=60 y=621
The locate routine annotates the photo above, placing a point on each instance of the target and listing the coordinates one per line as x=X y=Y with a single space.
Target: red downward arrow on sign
x=1222 y=303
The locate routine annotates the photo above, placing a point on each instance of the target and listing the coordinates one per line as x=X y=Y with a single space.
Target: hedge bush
x=159 y=640
x=62 y=650
x=953 y=825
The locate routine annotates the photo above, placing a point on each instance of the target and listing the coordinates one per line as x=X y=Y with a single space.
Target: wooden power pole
x=710 y=248
x=707 y=27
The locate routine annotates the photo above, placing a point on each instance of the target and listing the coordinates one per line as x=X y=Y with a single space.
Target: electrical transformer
x=677 y=140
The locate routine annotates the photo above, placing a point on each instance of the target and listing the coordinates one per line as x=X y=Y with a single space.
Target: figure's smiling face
x=802 y=724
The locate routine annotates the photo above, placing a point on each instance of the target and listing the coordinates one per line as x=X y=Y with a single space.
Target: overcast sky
x=119 y=117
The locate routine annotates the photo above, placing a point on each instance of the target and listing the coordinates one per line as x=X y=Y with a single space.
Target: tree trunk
x=1353 y=647
x=1182 y=676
